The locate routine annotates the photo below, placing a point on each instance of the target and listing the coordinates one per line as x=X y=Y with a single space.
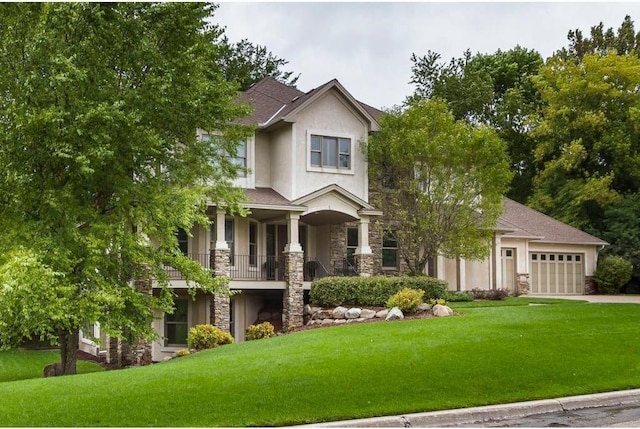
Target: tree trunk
x=68 y=349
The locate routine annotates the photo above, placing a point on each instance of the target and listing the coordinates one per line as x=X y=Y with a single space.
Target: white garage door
x=557 y=273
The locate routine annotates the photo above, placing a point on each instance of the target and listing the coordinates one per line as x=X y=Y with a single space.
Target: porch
x=269 y=268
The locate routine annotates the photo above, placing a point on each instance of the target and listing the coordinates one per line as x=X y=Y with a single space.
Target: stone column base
x=364 y=264
x=293 y=297
x=522 y=284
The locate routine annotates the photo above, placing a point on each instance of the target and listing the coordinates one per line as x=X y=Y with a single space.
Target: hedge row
x=371 y=291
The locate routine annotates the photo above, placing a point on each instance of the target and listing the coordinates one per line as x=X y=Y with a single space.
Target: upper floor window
x=332 y=152
x=238 y=159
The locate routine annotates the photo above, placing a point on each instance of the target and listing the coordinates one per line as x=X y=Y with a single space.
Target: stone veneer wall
x=293 y=297
x=589 y=286
x=376 y=230
x=220 y=311
x=338 y=235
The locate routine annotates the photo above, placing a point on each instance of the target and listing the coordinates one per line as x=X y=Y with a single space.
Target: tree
x=623 y=42
x=99 y=105
x=493 y=89
x=246 y=63
x=441 y=180
x=588 y=137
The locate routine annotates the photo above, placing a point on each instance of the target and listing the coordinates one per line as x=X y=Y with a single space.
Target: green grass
x=21 y=364
x=488 y=355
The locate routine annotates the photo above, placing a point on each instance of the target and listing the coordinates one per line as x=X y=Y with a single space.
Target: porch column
x=363 y=254
x=461 y=274
x=293 y=297
x=498 y=282
x=220 y=312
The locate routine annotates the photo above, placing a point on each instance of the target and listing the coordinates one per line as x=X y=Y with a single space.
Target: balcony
x=267 y=268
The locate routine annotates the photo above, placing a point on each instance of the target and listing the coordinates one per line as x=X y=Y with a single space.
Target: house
x=307 y=192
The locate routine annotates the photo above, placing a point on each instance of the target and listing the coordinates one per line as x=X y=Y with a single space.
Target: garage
x=557 y=273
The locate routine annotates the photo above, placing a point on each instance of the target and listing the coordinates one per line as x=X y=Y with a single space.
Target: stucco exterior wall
x=281 y=158
x=262 y=152
x=330 y=116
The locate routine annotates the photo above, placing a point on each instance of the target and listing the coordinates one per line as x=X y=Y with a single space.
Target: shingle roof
x=266 y=196
x=269 y=98
x=521 y=221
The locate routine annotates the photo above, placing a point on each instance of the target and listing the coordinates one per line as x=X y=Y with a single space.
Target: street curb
x=478 y=415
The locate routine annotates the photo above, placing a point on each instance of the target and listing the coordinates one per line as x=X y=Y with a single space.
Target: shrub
x=262 y=330
x=182 y=352
x=459 y=296
x=612 y=273
x=490 y=294
x=406 y=300
x=371 y=291
x=207 y=336
x=440 y=301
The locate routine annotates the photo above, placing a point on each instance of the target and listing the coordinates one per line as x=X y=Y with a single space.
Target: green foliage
x=261 y=330
x=454 y=296
x=207 y=336
x=588 y=138
x=371 y=291
x=611 y=274
x=449 y=181
x=182 y=352
x=246 y=63
x=624 y=41
x=490 y=294
x=438 y=301
x=99 y=109
x=622 y=230
x=493 y=89
x=407 y=300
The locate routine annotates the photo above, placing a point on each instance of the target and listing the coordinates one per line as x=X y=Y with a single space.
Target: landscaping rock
x=442 y=310
x=306 y=310
x=394 y=314
x=353 y=313
x=340 y=321
x=339 y=312
x=367 y=314
x=423 y=307
x=327 y=321
x=382 y=314
x=323 y=314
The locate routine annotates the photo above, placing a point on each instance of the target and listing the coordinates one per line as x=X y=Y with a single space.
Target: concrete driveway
x=615 y=299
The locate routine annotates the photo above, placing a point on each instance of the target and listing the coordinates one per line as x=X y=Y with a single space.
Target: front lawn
x=488 y=355
x=23 y=364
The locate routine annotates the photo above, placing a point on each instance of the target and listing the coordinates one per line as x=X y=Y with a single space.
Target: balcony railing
x=259 y=268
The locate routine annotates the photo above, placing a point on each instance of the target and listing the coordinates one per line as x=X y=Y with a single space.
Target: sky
x=367 y=46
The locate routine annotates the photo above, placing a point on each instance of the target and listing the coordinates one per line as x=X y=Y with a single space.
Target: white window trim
x=249 y=180
x=327 y=133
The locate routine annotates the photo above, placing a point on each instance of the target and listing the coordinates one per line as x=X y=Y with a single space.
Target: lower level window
x=176 y=324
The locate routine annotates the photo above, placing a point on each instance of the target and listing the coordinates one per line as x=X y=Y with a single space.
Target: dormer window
x=331 y=152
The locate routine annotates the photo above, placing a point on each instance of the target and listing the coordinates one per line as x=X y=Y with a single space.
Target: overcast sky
x=367 y=46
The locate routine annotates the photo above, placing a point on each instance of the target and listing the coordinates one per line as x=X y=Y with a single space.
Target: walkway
x=614 y=299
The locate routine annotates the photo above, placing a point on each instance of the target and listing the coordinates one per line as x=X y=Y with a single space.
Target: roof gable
x=273 y=101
